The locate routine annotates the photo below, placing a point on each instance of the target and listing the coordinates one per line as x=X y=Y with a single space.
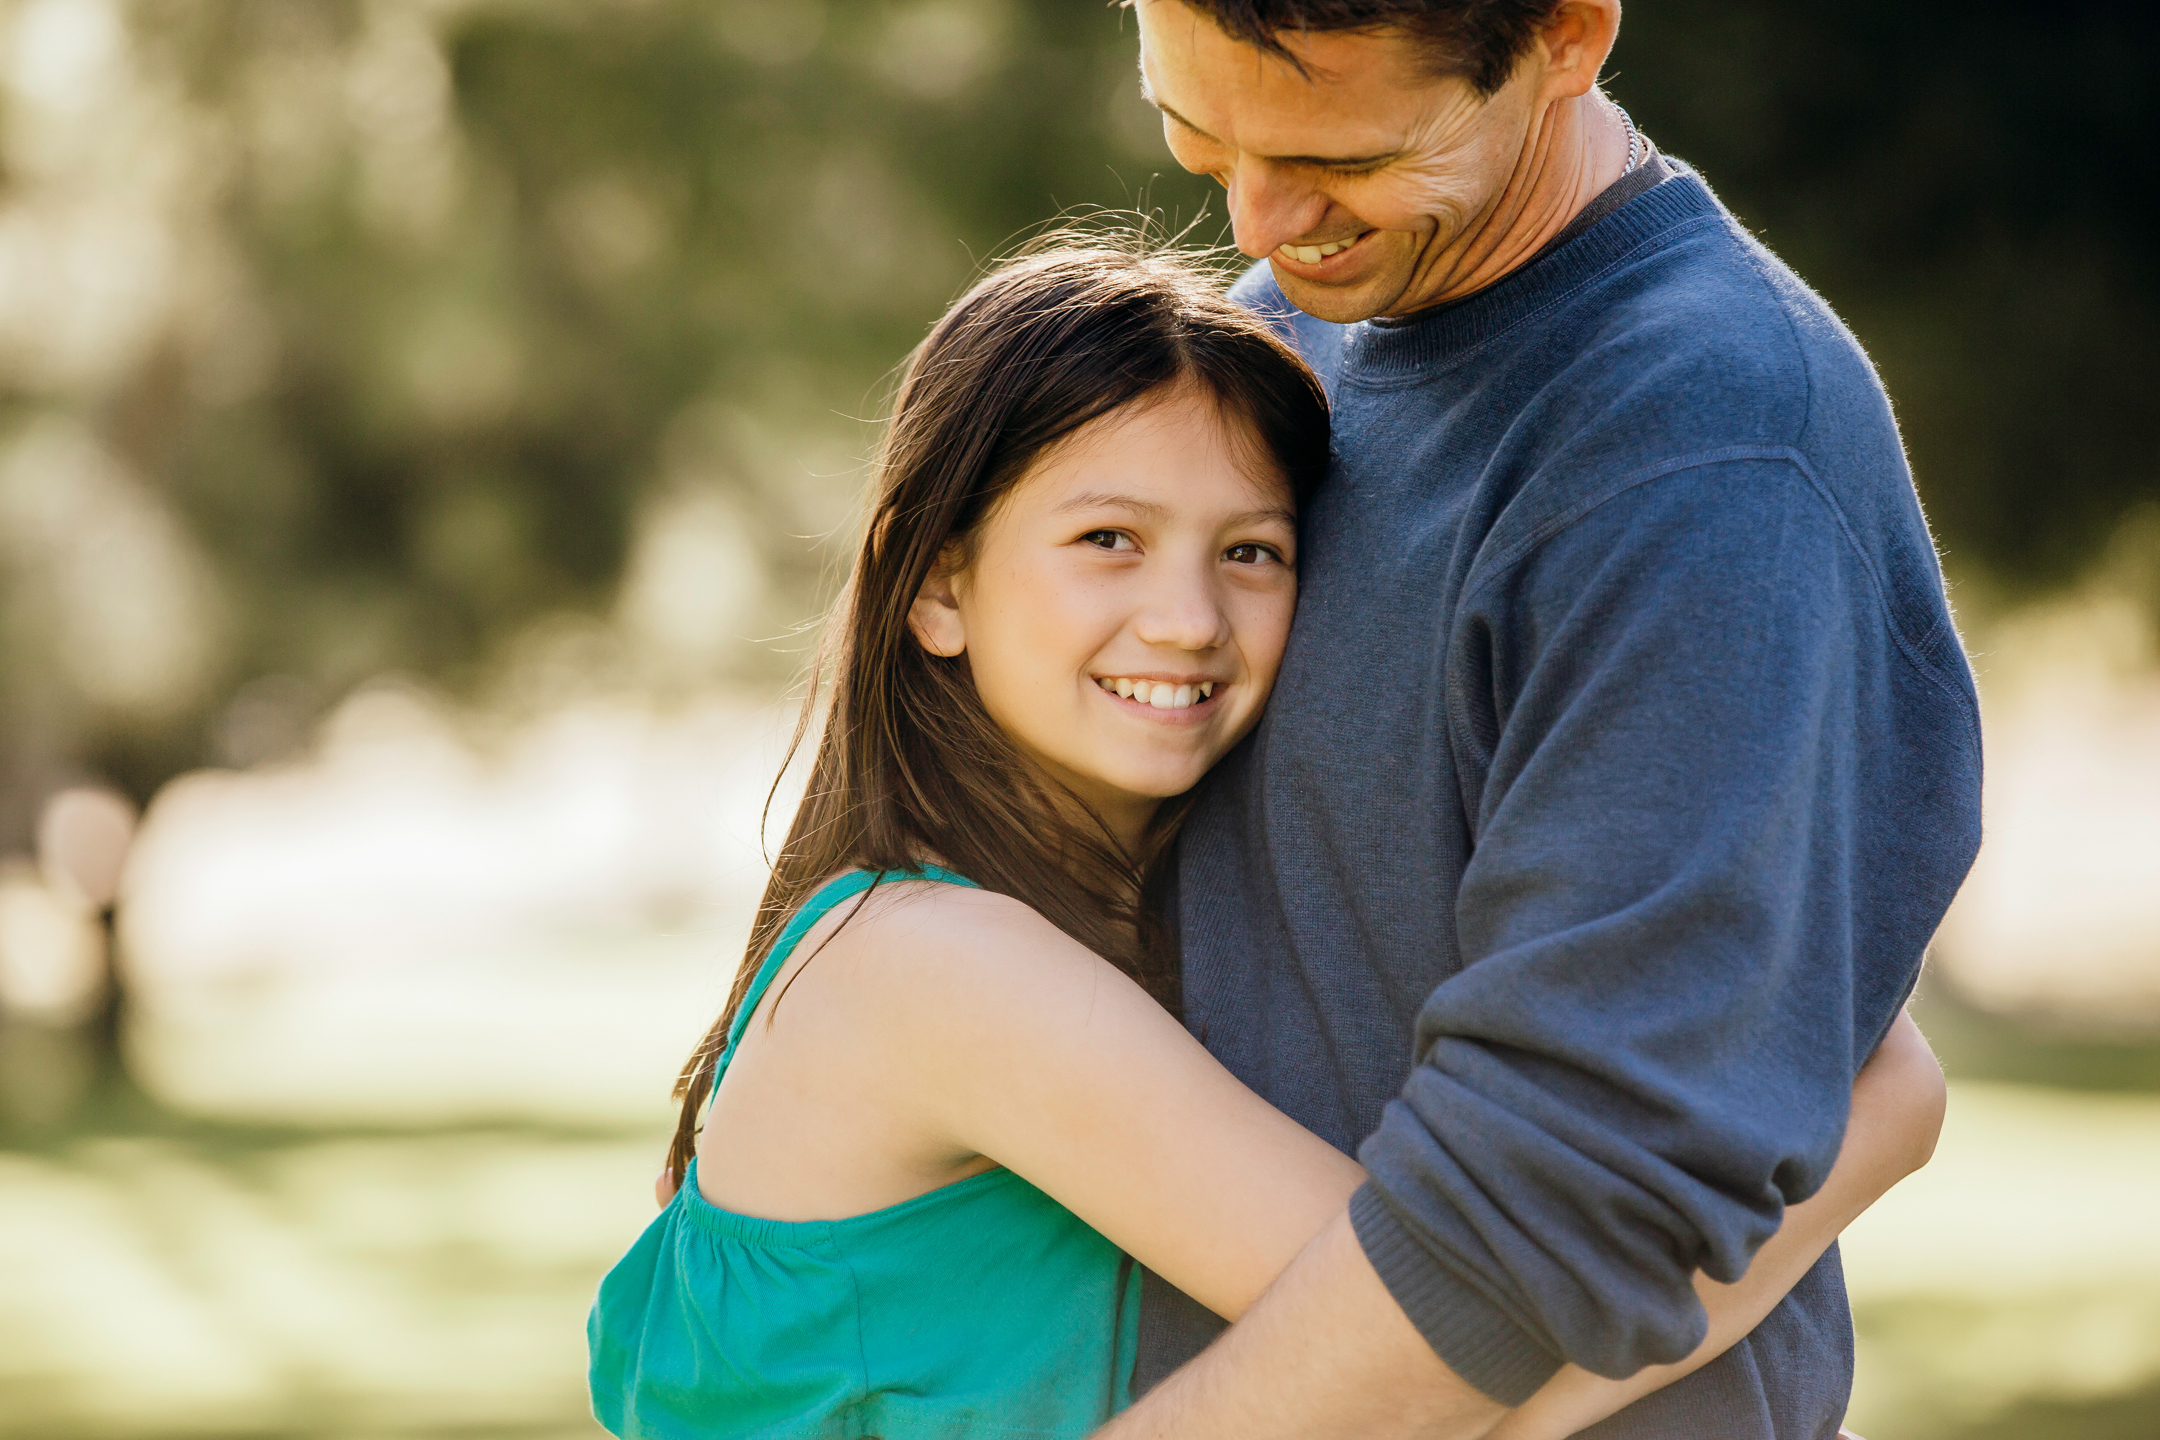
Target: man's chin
x=1338 y=304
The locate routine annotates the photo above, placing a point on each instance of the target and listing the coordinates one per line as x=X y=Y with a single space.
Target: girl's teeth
x=1160 y=694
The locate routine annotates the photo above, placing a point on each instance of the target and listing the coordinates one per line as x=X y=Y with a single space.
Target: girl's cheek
x=1265 y=623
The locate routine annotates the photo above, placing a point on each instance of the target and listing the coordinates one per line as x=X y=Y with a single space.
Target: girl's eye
x=1106 y=539
x=1249 y=554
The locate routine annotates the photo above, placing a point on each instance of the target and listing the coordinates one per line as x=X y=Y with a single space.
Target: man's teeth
x=1314 y=254
x=1160 y=693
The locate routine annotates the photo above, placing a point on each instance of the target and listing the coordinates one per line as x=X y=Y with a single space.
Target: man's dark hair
x=1479 y=40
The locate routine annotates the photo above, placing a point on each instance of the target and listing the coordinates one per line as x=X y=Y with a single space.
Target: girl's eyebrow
x=1104 y=500
x=1149 y=510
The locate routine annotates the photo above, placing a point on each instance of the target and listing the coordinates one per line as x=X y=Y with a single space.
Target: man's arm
x=1370 y=1370
x=1721 y=810
x=1897 y=1115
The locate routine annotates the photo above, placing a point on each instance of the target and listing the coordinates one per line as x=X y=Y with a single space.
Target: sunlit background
x=426 y=427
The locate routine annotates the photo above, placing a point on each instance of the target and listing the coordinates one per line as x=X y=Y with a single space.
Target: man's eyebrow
x=1323 y=162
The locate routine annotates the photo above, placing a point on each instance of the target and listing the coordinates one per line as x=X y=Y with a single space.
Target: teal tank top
x=983 y=1308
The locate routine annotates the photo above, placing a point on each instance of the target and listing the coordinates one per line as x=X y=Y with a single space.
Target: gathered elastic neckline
x=803 y=1234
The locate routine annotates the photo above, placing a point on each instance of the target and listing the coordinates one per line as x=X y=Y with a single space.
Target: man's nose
x=1270 y=205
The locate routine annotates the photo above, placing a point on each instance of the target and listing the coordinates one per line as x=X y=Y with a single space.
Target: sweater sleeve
x=1703 y=743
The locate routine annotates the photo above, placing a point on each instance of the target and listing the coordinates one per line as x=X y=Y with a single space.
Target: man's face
x=1363 y=181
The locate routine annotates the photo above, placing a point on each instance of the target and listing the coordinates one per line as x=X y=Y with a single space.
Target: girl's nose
x=1184 y=616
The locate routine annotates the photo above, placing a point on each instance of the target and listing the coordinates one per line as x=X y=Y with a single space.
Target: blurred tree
x=339 y=336
x=1975 y=191
x=446 y=315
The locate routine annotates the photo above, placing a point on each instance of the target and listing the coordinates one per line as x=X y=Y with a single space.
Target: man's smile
x=1313 y=259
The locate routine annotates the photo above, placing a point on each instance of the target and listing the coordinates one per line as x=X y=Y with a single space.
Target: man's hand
x=1325 y=1352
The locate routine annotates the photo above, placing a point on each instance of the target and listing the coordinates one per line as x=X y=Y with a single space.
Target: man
x=1623 y=762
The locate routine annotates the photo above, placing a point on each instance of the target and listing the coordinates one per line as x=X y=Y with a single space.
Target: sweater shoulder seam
x=1485 y=575
x=1777 y=302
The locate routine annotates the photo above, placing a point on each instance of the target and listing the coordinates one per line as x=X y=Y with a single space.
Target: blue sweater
x=1623 y=762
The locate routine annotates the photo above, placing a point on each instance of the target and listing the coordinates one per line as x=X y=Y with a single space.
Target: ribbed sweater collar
x=1436 y=337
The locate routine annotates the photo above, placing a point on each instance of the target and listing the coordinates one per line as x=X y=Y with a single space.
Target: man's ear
x=935 y=615
x=1578 y=38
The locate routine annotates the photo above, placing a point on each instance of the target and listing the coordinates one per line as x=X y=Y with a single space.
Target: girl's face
x=1125 y=606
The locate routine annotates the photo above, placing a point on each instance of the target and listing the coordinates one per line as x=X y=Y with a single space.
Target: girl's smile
x=1166 y=699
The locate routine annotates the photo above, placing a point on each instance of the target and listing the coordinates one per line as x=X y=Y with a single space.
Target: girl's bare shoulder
x=922 y=960
x=932 y=933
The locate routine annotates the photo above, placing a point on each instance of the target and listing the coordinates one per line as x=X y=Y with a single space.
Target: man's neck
x=1576 y=149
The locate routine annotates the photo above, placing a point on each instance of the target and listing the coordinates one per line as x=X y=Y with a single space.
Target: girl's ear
x=935 y=615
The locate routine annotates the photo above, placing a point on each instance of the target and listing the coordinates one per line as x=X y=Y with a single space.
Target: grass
x=162 y=1276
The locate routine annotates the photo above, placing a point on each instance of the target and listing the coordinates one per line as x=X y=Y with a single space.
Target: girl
x=922 y=1182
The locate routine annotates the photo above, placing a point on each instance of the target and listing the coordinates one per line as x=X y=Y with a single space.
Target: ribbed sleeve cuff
x=1479 y=1341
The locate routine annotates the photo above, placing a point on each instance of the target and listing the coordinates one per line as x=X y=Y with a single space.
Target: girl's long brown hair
x=909 y=765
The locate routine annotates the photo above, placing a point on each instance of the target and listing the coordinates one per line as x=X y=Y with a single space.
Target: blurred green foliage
x=502 y=270
x=1974 y=190
x=454 y=295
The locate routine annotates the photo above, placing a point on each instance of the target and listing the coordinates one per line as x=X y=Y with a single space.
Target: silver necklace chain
x=1635 y=146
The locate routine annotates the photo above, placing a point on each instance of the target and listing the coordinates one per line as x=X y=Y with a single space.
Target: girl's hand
x=663 y=1188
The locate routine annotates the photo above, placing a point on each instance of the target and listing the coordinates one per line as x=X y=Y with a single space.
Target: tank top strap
x=817 y=907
